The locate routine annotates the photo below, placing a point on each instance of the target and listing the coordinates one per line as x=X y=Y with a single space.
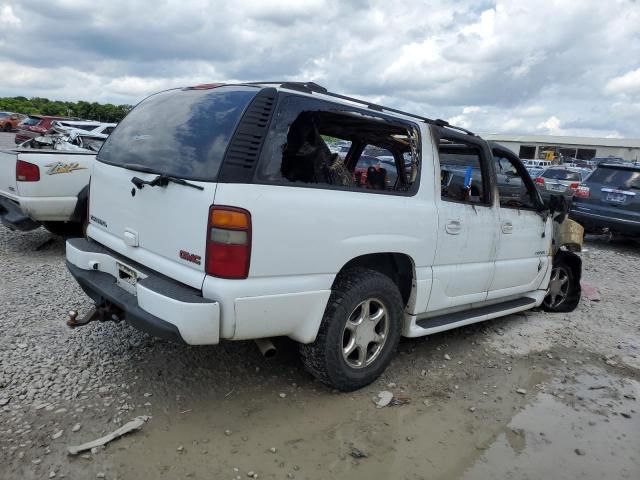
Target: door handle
x=453 y=227
x=507 y=227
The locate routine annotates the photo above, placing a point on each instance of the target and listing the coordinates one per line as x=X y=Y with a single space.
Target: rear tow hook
x=102 y=313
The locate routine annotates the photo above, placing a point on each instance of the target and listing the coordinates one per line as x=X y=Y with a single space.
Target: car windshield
x=616 y=177
x=4 y=114
x=559 y=174
x=181 y=133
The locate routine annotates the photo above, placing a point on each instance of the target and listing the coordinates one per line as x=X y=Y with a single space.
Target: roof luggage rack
x=312 y=87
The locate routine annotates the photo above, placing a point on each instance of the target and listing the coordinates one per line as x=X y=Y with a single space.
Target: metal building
x=582 y=148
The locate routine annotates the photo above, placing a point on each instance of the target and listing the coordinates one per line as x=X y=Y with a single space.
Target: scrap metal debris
x=384 y=398
x=357 y=453
x=134 y=424
x=590 y=292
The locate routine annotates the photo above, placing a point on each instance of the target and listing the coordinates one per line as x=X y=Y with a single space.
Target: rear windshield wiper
x=162 y=181
x=140 y=168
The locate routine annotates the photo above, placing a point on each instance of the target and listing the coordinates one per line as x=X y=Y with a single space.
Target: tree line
x=103 y=112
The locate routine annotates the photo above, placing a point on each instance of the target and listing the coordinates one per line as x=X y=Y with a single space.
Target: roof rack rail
x=312 y=87
x=443 y=123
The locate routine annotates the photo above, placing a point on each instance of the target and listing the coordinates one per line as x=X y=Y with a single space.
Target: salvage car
x=10 y=121
x=218 y=212
x=35 y=126
x=609 y=200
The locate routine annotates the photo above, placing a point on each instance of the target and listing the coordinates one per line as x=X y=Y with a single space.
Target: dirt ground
x=530 y=396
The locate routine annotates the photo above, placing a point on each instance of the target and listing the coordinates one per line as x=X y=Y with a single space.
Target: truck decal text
x=62 y=167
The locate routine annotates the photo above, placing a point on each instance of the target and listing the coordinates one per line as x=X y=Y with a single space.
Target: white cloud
x=628 y=83
x=551 y=124
x=8 y=18
x=494 y=65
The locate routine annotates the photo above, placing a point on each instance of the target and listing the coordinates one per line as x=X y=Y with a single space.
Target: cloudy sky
x=537 y=66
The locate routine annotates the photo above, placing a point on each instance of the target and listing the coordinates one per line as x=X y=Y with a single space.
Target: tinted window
x=183 y=133
x=558 y=174
x=616 y=177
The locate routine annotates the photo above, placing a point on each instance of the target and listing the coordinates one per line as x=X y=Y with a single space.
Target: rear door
x=181 y=134
x=467 y=229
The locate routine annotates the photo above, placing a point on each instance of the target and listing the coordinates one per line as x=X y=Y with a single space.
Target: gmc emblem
x=190 y=257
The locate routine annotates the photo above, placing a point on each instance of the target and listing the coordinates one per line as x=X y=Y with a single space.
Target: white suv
x=219 y=212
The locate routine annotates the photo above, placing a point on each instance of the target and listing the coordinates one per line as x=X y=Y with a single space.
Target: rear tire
x=363 y=316
x=7 y=127
x=66 y=229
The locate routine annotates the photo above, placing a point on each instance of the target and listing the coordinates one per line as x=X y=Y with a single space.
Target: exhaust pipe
x=266 y=347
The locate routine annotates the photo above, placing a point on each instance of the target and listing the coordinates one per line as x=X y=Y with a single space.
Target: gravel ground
x=533 y=395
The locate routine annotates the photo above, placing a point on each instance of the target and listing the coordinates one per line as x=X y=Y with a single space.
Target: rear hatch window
x=616 y=177
x=180 y=133
x=562 y=175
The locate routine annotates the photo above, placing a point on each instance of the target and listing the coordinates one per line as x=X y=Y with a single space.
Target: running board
x=452 y=320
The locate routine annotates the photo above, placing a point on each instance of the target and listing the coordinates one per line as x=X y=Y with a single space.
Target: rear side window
x=314 y=143
x=182 y=133
x=616 y=177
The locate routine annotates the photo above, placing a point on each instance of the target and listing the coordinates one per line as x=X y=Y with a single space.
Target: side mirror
x=558 y=206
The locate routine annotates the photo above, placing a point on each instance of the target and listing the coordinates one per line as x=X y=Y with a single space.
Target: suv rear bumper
x=12 y=216
x=159 y=306
x=594 y=221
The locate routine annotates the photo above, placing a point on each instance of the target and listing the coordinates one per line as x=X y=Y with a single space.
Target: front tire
x=359 y=332
x=564 y=288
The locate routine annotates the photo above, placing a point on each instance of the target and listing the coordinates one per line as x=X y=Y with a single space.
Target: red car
x=35 y=126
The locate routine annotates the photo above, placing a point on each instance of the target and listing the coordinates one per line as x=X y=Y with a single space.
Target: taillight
x=574 y=186
x=582 y=192
x=27 y=172
x=228 y=242
x=539 y=181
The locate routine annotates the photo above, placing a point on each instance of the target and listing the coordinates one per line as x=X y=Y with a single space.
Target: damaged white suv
x=220 y=212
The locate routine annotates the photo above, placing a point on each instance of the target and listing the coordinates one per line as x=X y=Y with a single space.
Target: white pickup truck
x=44 y=187
x=218 y=212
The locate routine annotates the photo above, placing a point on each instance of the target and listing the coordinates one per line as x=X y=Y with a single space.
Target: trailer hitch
x=104 y=313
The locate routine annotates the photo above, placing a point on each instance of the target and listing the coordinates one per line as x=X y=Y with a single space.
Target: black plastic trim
x=14 y=218
x=244 y=150
x=102 y=287
x=80 y=212
x=450 y=318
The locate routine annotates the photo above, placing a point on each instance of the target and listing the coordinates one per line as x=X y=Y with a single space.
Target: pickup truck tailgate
x=8 y=186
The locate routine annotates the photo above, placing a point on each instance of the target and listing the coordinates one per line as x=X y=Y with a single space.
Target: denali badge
x=190 y=257
x=99 y=221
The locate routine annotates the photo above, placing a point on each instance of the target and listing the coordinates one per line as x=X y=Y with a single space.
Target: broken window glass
x=314 y=143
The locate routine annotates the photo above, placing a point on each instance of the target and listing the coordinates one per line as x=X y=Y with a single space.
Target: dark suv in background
x=609 y=199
